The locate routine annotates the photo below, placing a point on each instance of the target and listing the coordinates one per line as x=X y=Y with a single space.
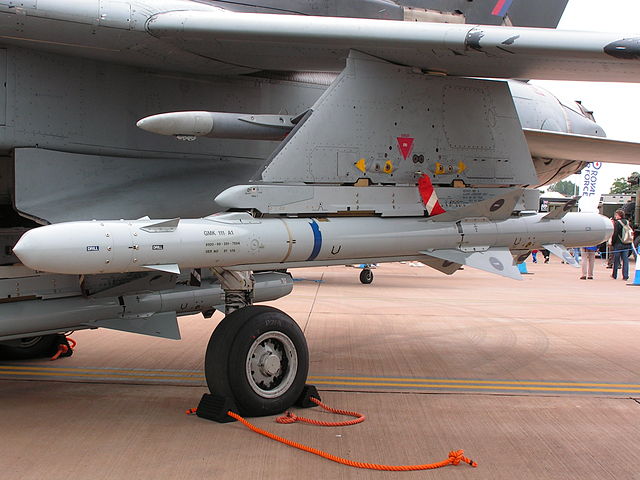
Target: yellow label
x=361 y=165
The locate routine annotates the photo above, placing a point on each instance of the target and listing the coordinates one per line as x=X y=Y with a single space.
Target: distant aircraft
x=339 y=131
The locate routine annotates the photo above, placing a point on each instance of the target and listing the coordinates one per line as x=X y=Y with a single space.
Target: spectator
x=588 y=261
x=545 y=254
x=620 y=249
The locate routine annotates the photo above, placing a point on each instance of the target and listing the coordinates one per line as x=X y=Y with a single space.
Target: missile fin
x=444 y=266
x=562 y=252
x=495 y=209
x=164 y=324
x=164 y=226
x=558 y=213
x=169 y=268
x=493 y=260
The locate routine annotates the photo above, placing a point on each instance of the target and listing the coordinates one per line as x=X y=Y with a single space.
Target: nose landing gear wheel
x=257 y=356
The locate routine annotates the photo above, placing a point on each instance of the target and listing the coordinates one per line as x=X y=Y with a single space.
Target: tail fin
x=521 y=13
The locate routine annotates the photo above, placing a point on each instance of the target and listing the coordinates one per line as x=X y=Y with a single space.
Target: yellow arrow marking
x=461 y=167
x=361 y=165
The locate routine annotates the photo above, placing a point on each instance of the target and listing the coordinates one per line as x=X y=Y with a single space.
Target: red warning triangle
x=405 y=144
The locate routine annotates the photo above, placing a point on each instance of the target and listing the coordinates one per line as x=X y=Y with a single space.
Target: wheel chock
x=215 y=407
x=304 y=398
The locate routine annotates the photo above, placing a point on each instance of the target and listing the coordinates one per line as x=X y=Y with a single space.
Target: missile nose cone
x=19 y=248
x=26 y=249
x=143 y=123
x=72 y=248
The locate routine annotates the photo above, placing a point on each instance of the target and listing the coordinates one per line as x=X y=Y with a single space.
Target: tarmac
x=538 y=379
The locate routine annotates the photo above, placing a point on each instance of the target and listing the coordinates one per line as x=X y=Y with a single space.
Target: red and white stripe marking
x=429 y=196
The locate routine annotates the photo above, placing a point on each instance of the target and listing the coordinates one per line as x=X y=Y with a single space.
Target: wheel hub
x=272 y=363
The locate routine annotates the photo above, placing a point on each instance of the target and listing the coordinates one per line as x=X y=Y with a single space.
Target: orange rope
x=291 y=417
x=62 y=348
x=455 y=457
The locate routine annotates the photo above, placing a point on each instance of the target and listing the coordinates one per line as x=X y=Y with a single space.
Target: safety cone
x=522 y=267
x=636 y=275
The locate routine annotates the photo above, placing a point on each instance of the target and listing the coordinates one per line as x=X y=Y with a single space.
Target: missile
x=150 y=313
x=239 y=241
x=188 y=125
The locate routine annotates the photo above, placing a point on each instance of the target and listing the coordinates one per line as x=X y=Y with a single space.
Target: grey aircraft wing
x=583 y=148
x=293 y=42
x=207 y=38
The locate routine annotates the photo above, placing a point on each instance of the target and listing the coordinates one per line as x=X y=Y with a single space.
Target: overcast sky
x=616 y=106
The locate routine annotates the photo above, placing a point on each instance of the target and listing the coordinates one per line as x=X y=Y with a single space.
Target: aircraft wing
x=568 y=146
x=294 y=42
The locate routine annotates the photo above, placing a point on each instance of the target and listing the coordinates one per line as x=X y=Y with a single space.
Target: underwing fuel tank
x=241 y=242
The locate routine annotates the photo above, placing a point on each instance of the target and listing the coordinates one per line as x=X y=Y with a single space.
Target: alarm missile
x=238 y=241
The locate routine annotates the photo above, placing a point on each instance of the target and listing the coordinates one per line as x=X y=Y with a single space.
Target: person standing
x=620 y=248
x=545 y=254
x=588 y=261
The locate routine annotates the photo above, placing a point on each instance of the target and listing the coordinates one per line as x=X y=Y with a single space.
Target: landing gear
x=366 y=276
x=257 y=357
x=30 y=347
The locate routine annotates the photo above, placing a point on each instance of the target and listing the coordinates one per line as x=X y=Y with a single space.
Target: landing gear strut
x=258 y=358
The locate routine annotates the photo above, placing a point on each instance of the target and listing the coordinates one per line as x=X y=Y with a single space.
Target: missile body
x=240 y=241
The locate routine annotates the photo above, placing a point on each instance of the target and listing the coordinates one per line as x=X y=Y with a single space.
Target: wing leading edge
x=291 y=42
x=582 y=148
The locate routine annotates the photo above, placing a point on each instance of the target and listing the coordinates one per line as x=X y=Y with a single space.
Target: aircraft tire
x=366 y=276
x=258 y=357
x=30 y=347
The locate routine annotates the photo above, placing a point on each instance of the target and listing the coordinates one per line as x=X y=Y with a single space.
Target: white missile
x=241 y=242
x=219 y=125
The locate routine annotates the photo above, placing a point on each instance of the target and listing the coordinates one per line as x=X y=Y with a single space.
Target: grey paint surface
x=3 y=86
x=81 y=115
x=294 y=42
x=95 y=186
x=469 y=128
